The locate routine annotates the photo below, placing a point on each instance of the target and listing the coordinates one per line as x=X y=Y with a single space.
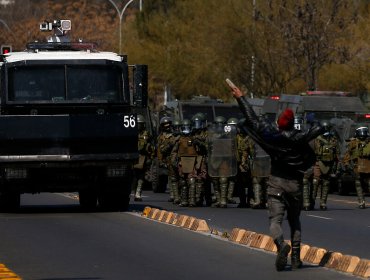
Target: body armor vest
x=325 y=149
x=143 y=140
x=186 y=147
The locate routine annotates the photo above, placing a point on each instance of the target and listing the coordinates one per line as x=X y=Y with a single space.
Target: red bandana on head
x=286 y=120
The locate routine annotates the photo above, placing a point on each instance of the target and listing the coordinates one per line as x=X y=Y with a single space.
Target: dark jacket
x=290 y=152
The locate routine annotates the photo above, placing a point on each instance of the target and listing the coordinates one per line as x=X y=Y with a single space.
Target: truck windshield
x=58 y=83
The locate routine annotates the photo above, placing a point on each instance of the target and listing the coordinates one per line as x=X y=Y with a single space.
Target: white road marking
x=320 y=217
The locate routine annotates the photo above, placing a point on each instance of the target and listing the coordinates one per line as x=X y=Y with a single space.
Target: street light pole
x=120 y=15
x=6 y=26
x=253 y=58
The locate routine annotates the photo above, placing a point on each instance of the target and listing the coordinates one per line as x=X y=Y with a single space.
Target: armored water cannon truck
x=68 y=121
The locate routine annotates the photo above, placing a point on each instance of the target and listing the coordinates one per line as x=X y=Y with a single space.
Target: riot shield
x=222 y=160
x=261 y=164
x=344 y=130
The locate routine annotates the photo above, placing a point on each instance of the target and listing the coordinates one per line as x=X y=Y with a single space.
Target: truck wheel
x=10 y=201
x=114 y=201
x=88 y=199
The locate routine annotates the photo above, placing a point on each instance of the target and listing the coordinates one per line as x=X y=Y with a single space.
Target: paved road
x=51 y=239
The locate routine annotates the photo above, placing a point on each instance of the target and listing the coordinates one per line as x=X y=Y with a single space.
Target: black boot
x=296 y=257
x=283 y=250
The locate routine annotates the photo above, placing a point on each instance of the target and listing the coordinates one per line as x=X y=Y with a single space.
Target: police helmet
x=220 y=120
x=165 y=120
x=326 y=126
x=362 y=132
x=185 y=126
x=165 y=123
x=198 y=121
x=176 y=125
x=140 y=119
x=232 y=121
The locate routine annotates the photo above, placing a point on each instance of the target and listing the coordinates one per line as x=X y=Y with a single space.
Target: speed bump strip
x=362 y=269
x=156 y=214
x=161 y=215
x=184 y=221
x=304 y=250
x=314 y=255
x=188 y=222
x=237 y=234
x=331 y=259
x=258 y=241
x=164 y=218
x=247 y=238
x=200 y=225
x=152 y=213
x=348 y=263
x=146 y=211
x=270 y=245
x=171 y=217
x=181 y=220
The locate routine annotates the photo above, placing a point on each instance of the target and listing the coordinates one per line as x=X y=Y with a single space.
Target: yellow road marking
x=7 y=274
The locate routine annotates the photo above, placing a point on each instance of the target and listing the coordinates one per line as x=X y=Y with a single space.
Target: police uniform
x=222 y=161
x=244 y=153
x=166 y=142
x=146 y=150
x=326 y=149
x=187 y=156
x=199 y=138
x=357 y=158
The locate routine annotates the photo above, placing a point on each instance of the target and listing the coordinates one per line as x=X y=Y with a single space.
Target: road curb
x=309 y=254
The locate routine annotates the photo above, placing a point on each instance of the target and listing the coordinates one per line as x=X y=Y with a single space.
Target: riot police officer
x=145 y=149
x=166 y=142
x=357 y=158
x=176 y=126
x=199 y=137
x=245 y=154
x=232 y=122
x=222 y=163
x=217 y=126
x=174 y=178
x=187 y=157
x=327 y=156
x=261 y=167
